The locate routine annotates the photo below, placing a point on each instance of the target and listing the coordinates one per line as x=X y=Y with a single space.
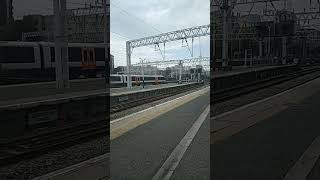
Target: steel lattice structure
x=304 y=18
x=228 y=27
x=193 y=32
x=219 y=3
x=38 y=36
x=172 y=36
x=176 y=61
x=86 y=24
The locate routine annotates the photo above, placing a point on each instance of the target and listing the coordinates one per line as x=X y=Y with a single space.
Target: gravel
x=54 y=160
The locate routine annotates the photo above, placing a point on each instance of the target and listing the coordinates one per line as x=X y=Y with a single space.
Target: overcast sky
x=138 y=19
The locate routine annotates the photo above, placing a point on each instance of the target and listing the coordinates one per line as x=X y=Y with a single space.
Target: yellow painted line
x=120 y=126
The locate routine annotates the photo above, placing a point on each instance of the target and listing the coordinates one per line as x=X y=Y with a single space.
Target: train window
x=99 y=54
x=16 y=55
x=74 y=54
x=52 y=53
x=92 y=57
x=115 y=78
x=148 y=78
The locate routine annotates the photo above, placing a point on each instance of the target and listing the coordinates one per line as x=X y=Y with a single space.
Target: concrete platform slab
x=264 y=140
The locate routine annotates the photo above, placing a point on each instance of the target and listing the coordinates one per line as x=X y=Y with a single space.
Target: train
x=120 y=80
x=36 y=60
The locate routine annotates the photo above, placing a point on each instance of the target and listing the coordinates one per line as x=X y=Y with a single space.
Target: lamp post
x=61 y=45
x=142 y=72
x=269 y=44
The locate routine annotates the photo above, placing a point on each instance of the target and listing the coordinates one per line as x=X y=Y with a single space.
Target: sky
x=137 y=19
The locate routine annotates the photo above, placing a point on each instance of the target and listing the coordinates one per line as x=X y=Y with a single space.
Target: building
x=6 y=13
x=79 y=27
x=86 y=27
x=41 y=28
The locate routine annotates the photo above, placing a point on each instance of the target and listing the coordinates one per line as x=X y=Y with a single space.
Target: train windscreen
x=99 y=52
x=17 y=55
x=74 y=54
x=149 y=78
x=115 y=78
x=52 y=53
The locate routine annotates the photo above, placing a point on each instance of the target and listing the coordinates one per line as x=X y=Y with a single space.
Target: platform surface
x=35 y=93
x=142 y=143
x=34 y=90
x=267 y=139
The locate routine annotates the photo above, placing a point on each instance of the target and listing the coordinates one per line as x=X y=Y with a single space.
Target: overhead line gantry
x=183 y=34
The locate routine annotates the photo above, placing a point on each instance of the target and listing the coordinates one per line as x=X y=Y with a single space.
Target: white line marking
x=304 y=165
x=261 y=101
x=167 y=169
x=95 y=167
x=158 y=105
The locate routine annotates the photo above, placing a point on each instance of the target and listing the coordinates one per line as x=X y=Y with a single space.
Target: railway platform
x=29 y=106
x=166 y=141
x=47 y=89
x=171 y=135
x=274 y=138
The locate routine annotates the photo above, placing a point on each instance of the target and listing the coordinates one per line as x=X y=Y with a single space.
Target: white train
x=37 y=60
x=120 y=80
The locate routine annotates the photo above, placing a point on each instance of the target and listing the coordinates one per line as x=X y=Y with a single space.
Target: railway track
x=127 y=105
x=227 y=94
x=32 y=145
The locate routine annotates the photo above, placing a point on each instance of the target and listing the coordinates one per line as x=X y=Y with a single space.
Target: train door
x=156 y=80
x=88 y=58
x=123 y=80
x=136 y=80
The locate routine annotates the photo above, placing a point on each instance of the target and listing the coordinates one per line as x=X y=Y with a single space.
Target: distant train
x=120 y=80
x=36 y=60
